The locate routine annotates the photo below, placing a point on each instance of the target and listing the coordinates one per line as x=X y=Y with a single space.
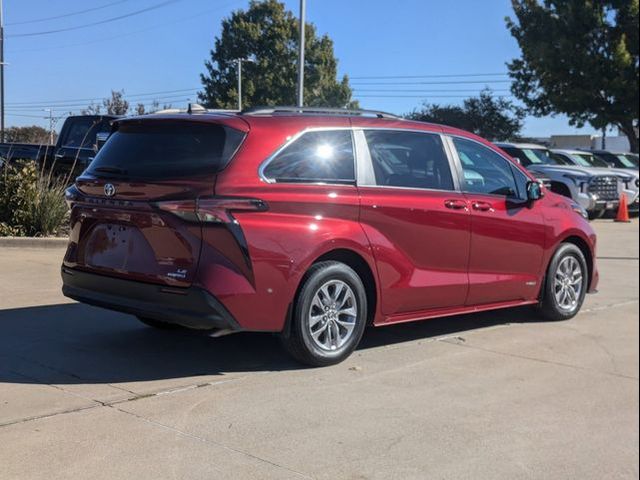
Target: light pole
x=301 y=55
x=239 y=61
x=1 y=72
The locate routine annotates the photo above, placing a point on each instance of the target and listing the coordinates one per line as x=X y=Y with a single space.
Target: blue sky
x=163 y=50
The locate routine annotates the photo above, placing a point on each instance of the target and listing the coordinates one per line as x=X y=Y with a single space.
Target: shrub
x=31 y=202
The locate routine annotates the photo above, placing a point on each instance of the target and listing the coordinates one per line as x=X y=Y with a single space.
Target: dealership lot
x=86 y=392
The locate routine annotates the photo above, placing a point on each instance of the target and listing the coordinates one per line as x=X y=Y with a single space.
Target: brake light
x=72 y=195
x=212 y=209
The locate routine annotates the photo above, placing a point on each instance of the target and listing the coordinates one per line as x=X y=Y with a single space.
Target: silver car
x=596 y=191
x=629 y=178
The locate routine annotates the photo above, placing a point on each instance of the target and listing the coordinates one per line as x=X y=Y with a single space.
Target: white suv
x=597 y=192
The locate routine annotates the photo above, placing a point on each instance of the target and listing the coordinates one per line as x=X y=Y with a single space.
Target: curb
x=33 y=242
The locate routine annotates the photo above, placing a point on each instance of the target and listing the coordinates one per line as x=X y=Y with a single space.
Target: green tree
x=579 y=58
x=29 y=134
x=493 y=118
x=267 y=34
x=116 y=105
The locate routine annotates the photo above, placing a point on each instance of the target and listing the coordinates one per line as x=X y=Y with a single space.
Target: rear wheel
x=329 y=316
x=159 y=324
x=565 y=284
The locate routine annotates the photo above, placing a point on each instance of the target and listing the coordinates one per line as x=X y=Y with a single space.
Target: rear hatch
x=128 y=214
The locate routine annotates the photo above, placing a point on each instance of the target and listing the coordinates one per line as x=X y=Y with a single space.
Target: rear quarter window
x=155 y=150
x=315 y=157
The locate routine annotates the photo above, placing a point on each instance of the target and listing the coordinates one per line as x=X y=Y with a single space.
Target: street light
x=239 y=62
x=301 y=55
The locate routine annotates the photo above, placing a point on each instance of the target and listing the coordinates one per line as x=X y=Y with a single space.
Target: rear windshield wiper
x=115 y=170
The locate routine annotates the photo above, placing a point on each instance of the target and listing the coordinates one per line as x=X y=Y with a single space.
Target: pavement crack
x=48 y=415
x=540 y=360
x=210 y=442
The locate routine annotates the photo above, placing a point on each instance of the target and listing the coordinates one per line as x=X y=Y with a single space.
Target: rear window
x=167 y=149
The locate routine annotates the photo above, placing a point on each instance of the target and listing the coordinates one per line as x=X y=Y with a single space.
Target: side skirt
x=449 y=312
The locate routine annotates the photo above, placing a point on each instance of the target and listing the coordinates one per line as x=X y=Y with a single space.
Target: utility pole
x=1 y=72
x=301 y=56
x=50 y=110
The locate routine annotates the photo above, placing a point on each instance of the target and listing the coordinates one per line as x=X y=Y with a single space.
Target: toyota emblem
x=109 y=190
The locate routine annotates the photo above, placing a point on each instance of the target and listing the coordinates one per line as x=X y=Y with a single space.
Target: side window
x=322 y=156
x=409 y=159
x=484 y=170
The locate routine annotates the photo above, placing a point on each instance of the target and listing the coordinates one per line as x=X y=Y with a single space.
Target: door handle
x=482 y=206
x=456 y=204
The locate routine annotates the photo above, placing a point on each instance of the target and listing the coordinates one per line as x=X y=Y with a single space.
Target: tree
x=267 y=34
x=490 y=117
x=29 y=134
x=140 y=110
x=92 y=109
x=116 y=105
x=579 y=58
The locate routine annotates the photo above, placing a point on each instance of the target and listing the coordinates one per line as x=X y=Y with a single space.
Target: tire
x=327 y=320
x=160 y=325
x=554 y=305
x=594 y=215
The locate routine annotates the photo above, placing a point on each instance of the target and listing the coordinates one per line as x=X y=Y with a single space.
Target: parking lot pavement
x=87 y=393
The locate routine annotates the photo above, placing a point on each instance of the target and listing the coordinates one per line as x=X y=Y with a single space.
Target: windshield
x=633 y=159
x=539 y=156
x=628 y=160
x=589 y=160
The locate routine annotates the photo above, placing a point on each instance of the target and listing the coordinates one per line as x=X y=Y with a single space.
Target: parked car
x=596 y=192
x=629 y=178
x=618 y=160
x=314 y=223
x=75 y=148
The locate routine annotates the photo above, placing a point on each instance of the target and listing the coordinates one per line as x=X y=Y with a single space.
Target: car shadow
x=78 y=344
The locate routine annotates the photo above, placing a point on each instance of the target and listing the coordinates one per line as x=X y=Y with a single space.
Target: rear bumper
x=191 y=307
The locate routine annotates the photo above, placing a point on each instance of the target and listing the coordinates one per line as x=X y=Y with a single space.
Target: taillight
x=72 y=195
x=212 y=209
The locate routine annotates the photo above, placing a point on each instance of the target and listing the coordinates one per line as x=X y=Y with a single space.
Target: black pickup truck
x=76 y=146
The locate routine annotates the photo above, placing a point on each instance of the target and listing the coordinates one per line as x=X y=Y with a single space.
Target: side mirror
x=534 y=191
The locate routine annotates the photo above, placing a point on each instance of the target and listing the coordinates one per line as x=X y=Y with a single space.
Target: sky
x=458 y=47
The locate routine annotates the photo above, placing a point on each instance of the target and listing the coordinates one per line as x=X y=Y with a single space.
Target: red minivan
x=313 y=224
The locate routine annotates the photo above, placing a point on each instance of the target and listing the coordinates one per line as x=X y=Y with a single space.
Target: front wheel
x=329 y=315
x=566 y=283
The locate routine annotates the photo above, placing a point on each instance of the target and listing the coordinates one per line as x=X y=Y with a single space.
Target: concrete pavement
x=85 y=392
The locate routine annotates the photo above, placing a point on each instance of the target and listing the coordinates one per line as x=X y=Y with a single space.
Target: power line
x=384 y=77
x=80 y=12
x=127 y=34
x=422 y=96
x=101 y=22
x=379 y=90
x=451 y=82
x=72 y=100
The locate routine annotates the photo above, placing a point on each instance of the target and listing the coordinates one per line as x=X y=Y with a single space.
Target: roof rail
x=315 y=111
